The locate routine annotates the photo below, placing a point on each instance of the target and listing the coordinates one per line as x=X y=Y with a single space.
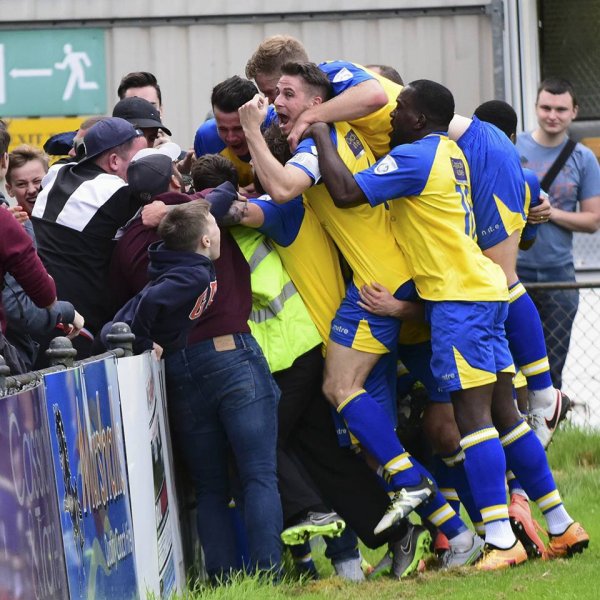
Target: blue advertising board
x=32 y=564
x=83 y=410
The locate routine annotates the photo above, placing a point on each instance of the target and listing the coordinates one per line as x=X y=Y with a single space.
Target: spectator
x=77 y=214
x=28 y=325
x=143 y=85
x=223 y=380
x=575 y=199
x=142 y=114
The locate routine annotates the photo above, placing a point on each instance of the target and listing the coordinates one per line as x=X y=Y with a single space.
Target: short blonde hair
x=22 y=155
x=273 y=52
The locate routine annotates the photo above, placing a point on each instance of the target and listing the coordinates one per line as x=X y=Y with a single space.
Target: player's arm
x=458 y=126
x=335 y=174
x=355 y=102
x=244 y=213
x=587 y=220
x=281 y=182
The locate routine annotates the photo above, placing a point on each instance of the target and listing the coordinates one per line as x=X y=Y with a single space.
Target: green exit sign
x=52 y=72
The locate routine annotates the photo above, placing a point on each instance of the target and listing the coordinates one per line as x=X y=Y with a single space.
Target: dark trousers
x=343 y=480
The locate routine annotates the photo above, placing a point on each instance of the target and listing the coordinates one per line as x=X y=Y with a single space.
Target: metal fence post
x=120 y=336
x=61 y=352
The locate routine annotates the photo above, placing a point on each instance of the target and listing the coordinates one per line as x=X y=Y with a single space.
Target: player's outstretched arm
x=335 y=174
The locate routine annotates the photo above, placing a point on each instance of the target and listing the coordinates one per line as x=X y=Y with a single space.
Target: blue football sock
x=455 y=463
x=445 y=480
x=372 y=427
x=526 y=458
x=439 y=512
x=525 y=337
x=514 y=486
x=485 y=467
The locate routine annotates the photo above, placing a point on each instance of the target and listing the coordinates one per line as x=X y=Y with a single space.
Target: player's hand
x=312 y=131
x=153 y=213
x=253 y=113
x=237 y=211
x=72 y=330
x=540 y=213
x=248 y=190
x=184 y=166
x=378 y=300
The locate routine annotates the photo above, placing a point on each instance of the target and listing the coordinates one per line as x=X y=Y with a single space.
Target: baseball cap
x=149 y=175
x=107 y=134
x=139 y=112
x=170 y=149
x=60 y=144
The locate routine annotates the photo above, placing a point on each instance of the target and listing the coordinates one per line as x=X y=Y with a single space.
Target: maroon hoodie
x=231 y=307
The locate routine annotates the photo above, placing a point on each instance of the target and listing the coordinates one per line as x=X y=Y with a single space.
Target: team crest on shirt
x=204 y=300
x=386 y=165
x=342 y=75
x=460 y=173
x=354 y=144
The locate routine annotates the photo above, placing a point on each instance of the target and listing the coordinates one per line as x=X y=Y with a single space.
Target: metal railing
x=581 y=372
x=62 y=355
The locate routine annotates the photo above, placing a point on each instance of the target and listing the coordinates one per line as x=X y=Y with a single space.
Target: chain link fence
x=581 y=373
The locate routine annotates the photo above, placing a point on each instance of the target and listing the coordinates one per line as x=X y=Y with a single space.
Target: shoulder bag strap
x=557 y=165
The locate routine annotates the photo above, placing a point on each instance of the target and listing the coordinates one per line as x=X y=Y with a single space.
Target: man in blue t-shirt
x=575 y=200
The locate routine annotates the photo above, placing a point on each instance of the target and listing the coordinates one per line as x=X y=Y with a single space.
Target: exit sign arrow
x=30 y=73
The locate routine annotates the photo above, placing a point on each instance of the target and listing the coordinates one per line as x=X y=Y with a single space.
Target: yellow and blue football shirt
x=428 y=183
x=497 y=182
x=376 y=126
x=363 y=235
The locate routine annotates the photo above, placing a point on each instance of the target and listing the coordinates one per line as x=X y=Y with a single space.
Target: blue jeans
x=219 y=400
x=557 y=310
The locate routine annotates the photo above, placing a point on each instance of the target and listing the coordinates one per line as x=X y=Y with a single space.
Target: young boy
x=182 y=280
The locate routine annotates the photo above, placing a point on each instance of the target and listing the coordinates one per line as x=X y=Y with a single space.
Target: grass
x=575 y=459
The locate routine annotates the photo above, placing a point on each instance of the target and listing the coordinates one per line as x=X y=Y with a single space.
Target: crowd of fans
x=335 y=245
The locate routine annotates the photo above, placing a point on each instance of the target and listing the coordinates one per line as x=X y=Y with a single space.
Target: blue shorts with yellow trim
x=417 y=359
x=497 y=183
x=468 y=343
x=354 y=327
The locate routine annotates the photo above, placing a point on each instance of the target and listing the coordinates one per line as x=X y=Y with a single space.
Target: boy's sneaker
x=525 y=527
x=497 y=558
x=574 y=539
x=315 y=523
x=404 y=501
x=453 y=558
x=544 y=421
x=350 y=569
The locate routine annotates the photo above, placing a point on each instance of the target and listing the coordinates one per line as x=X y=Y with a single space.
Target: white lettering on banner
x=117 y=545
x=102 y=480
x=30 y=467
x=45 y=554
